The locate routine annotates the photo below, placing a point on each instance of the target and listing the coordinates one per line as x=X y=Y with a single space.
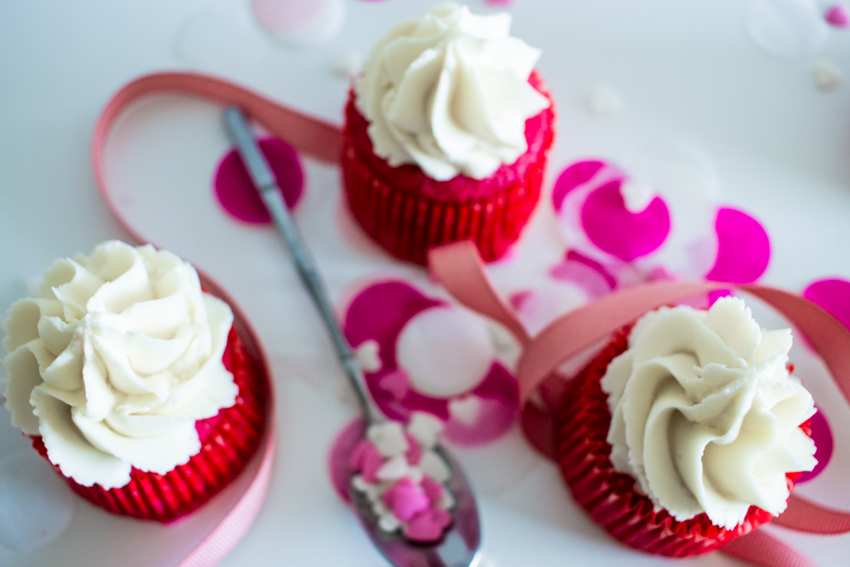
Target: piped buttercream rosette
x=693 y=426
x=117 y=369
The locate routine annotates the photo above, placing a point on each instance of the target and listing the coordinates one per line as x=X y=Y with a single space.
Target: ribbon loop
x=462 y=273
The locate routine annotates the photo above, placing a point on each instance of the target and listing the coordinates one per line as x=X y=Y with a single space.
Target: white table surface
x=685 y=70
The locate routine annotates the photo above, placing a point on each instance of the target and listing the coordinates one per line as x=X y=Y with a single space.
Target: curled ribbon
x=460 y=269
x=309 y=135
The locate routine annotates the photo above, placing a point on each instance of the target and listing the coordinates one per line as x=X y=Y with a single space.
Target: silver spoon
x=459 y=545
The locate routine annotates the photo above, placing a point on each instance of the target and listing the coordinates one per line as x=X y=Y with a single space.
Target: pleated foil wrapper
x=406 y=212
x=228 y=441
x=610 y=497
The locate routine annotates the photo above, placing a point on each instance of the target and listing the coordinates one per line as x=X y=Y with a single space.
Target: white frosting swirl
x=449 y=91
x=115 y=360
x=705 y=413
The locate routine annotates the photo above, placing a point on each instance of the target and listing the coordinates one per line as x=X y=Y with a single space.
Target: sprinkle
x=414 y=454
x=426 y=428
x=370 y=464
x=389 y=438
x=368 y=354
x=427 y=525
x=434 y=466
x=349 y=66
x=637 y=195
x=827 y=76
x=465 y=409
x=406 y=499
x=604 y=101
x=388 y=522
x=433 y=489
x=394 y=469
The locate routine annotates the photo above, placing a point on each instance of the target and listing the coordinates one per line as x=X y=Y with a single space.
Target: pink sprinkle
x=406 y=498
x=414 y=453
x=371 y=462
x=433 y=489
x=499 y=2
x=837 y=16
x=428 y=525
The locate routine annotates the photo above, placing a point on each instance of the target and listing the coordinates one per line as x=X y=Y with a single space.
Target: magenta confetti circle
x=573 y=177
x=837 y=16
x=480 y=415
x=834 y=296
x=743 y=248
x=619 y=232
x=824 y=444
x=236 y=193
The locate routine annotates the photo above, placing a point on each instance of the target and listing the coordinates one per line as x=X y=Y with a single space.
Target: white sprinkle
x=447 y=501
x=394 y=469
x=372 y=492
x=434 y=466
x=426 y=428
x=604 y=101
x=827 y=76
x=388 y=522
x=637 y=194
x=369 y=356
x=465 y=409
x=349 y=66
x=415 y=474
x=389 y=438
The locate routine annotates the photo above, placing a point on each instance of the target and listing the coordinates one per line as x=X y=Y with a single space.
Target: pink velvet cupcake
x=133 y=382
x=687 y=430
x=446 y=135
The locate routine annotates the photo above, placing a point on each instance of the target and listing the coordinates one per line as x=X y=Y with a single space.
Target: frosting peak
x=705 y=415
x=115 y=360
x=449 y=91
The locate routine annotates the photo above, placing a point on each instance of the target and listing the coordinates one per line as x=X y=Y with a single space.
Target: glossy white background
x=685 y=69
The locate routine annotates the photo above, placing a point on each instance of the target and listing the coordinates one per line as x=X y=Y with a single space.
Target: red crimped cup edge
x=228 y=441
x=406 y=222
x=610 y=497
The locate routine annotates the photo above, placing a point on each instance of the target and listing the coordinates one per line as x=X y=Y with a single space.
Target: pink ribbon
x=460 y=268
x=312 y=137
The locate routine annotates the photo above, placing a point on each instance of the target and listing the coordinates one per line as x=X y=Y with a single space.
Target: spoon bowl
x=460 y=543
x=458 y=546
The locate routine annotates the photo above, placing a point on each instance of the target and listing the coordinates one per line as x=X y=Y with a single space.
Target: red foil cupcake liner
x=406 y=212
x=228 y=441
x=609 y=496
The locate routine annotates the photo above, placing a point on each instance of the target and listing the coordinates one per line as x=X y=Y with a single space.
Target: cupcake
x=687 y=431
x=132 y=382
x=446 y=135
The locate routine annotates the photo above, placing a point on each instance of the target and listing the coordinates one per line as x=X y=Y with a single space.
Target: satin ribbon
x=310 y=136
x=460 y=269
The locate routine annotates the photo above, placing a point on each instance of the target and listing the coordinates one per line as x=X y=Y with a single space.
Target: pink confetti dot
x=619 y=232
x=837 y=16
x=573 y=177
x=834 y=296
x=743 y=248
x=237 y=195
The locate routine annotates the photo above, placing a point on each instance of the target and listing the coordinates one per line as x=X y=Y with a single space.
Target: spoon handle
x=266 y=184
